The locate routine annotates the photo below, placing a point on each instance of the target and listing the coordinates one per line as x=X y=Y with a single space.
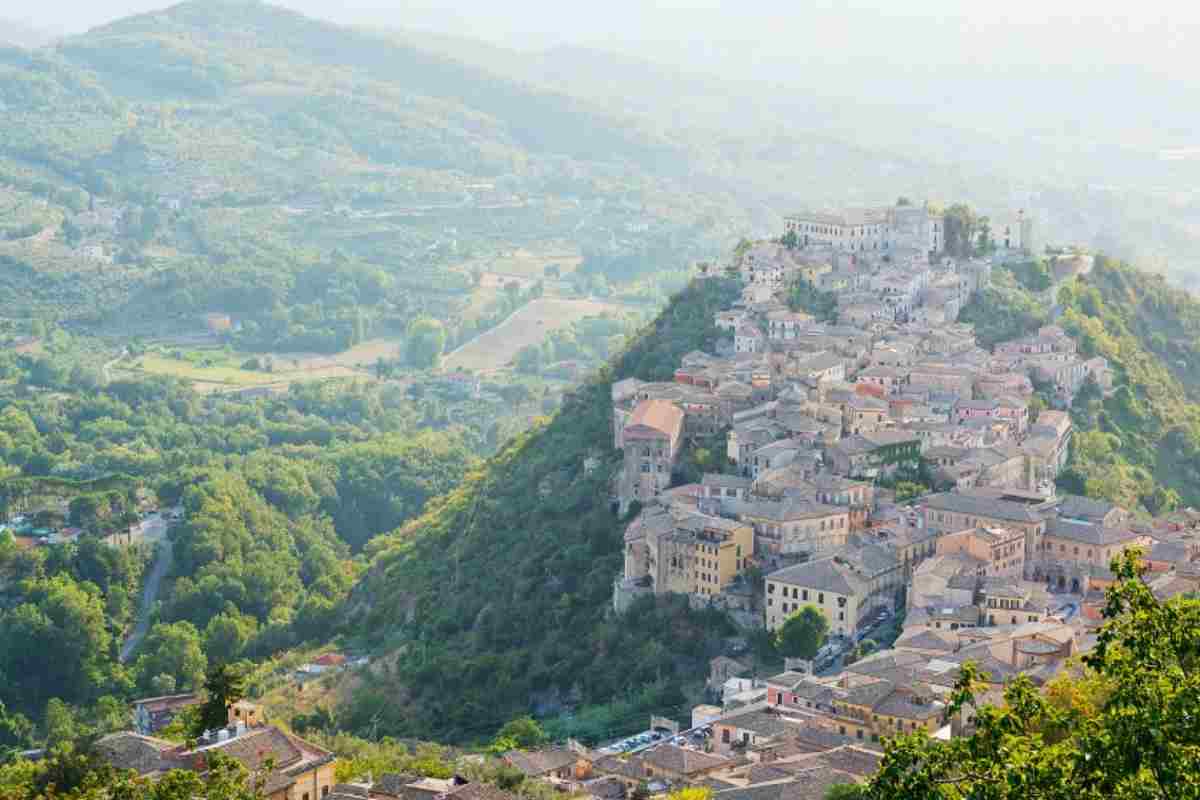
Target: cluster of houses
x=818 y=420
x=818 y=417
x=289 y=767
x=1011 y=582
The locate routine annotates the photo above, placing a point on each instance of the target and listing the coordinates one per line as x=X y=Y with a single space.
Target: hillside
x=491 y=603
x=1141 y=444
x=166 y=162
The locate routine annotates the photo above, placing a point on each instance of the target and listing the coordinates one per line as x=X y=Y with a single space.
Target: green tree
x=224 y=686
x=1131 y=731
x=16 y=732
x=174 y=650
x=524 y=733
x=62 y=726
x=802 y=634
x=56 y=644
x=227 y=635
x=960 y=224
x=529 y=359
x=983 y=239
x=425 y=343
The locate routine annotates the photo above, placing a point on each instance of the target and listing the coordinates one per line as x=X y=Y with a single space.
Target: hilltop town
x=846 y=449
x=879 y=466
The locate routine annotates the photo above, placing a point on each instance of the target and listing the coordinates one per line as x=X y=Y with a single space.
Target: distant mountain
x=218 y=49
x=1118 y=176
x=252 y=139
x=233 y=131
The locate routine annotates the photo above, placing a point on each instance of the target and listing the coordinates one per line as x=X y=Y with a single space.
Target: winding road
x=162 y=562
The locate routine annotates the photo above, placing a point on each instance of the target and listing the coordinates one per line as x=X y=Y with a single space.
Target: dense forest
x=1141 y=444
x=277 y=496
x=455 y=593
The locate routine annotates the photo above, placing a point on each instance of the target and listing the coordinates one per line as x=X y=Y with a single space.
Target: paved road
x=162 y=563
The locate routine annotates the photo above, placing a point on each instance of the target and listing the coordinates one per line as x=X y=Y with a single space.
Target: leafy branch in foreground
x=1138 y=737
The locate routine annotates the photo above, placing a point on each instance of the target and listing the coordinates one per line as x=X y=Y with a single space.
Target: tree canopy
x=802 y=634
x=1126 y=726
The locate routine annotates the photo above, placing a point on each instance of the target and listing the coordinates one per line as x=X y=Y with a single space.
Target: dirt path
x=162 y=563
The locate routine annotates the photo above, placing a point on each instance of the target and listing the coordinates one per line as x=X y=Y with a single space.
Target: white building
x=870 y=230
x=748 y=339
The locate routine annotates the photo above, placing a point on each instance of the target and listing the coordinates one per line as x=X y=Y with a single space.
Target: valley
x=390 y=415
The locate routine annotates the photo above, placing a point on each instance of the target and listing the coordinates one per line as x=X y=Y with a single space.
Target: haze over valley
x=689 y=401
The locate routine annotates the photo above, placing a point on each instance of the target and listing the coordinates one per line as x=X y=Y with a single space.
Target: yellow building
x=706 y=553
x=686 y=552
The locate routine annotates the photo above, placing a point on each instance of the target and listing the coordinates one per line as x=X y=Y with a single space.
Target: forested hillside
x=1141 y=444
x=321 y=183
x=498 y=596
x=277 y=497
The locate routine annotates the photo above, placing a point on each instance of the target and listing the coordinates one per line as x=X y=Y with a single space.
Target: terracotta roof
x=540 y=762
x=480 y=791
x=812 y=784
x=330 y=660
x=143 y=754
x=612 y=765
x=290 y=755
x=854 y=760
x=682 y=761
x=607 y=788
x=1087 y=533
x=392 y=783
x=661 y=415
x=824 y=575
x=168 y=701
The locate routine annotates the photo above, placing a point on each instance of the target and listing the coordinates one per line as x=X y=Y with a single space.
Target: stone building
x=651 y=441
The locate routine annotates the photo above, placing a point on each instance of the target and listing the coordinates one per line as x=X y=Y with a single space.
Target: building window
x=821 y=598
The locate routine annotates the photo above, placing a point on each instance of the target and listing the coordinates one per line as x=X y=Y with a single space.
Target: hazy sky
x=1160 y=36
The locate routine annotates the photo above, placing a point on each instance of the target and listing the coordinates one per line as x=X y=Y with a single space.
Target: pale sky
x=759 y=35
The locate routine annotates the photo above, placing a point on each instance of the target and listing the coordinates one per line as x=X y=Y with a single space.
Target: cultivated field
x=527 y=326
x=522 y=263
x=227 y=376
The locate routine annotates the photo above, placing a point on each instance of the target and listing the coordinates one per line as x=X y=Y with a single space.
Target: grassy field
x=527 y=326
x=226 y=376
x=233 y=376
x=522 y=263
x=361 y=356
